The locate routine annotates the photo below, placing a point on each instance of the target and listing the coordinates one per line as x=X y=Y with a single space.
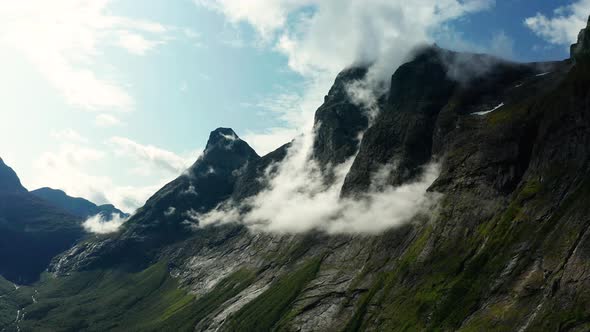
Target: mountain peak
x=9 y=181
x=222 y=137
x=225 y=149
x=581 y=49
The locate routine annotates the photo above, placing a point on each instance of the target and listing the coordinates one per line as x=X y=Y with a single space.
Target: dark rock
x=9 y=181
x=32 y=231
x=580 y=51
x=339 y=121
x=402 y=133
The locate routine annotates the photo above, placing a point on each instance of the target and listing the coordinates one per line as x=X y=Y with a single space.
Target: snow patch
x=231 y=137
x=490 y=111
x=543 y=74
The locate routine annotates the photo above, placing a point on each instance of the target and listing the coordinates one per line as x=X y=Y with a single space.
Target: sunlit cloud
x=64 y=39
x=563 y=26
x=108 y=120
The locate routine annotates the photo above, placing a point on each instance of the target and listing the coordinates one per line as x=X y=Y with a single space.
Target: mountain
x=505 y=249
x=9 y=181
x=76 y=206
x=32 y=231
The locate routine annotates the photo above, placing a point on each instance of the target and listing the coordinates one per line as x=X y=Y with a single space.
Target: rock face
x=339 y=122
x=402 y=133
x=581 y=50
x=507 y=249
x=77 y=206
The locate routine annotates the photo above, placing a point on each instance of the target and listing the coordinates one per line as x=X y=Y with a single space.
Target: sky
x=110 y=99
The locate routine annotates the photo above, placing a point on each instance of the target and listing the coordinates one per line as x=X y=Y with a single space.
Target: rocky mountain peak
x=221 y=137
x=9 y=181
x=226 y=150
x=581 y=49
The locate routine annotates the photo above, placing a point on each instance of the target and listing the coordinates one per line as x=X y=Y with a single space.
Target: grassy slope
x=117 y=301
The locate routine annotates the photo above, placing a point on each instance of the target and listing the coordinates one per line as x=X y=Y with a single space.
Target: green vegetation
x=149 y=300
x=265 y=312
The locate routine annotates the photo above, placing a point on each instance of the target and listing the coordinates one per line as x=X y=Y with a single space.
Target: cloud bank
x=298 y=200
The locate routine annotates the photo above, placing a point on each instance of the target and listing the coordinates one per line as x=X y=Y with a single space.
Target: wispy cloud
x=299 y=183
x=154 y=156
x=69 y=135
x=108 y=120
x=136 y=43
x=69 y=168
x=64 y=39
x=309 y=34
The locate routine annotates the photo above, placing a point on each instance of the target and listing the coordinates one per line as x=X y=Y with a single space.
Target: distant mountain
x=32 y=231
x=76 y=206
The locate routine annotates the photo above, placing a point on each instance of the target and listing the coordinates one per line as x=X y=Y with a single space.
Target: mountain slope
x=32 y=231
x=506 y=249
x=76 y=206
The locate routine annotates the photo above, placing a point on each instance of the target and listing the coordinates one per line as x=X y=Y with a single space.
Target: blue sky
x=110 y=99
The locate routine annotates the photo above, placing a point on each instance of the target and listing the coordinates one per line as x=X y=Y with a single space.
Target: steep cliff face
x=581 y=49
x=339 y=122
x=507 y=248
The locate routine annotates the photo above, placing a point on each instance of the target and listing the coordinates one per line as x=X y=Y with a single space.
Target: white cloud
x=69 y=168
x=69 y=135
x=98 y=224
x=108 y=120
x=72 y=154
x=268 y=140
x=299 y=183
x=266 y=16
x=565 y=24
x=137 y=44
x=64 y=39
x=156 y=157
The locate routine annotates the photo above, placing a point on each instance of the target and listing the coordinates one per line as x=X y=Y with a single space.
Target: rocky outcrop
x=340 y=121
x=580 y=51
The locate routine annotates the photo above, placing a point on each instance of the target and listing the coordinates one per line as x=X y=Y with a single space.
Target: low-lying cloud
x=100 y=224
x=298 y=200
